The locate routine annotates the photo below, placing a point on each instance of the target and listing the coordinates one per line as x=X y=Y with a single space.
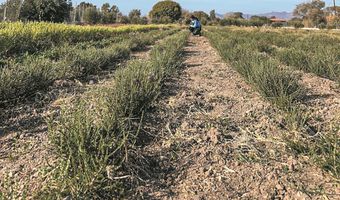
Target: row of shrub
x=278 y=85
x=25 y=75
x=243 y=22
x=253 y=55
x=317 y=53
x=92 y=136
x=18 y=37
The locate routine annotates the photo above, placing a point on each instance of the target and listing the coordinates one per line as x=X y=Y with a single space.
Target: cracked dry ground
x=217 y=138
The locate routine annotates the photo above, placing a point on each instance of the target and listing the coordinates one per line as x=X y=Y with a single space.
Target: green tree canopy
x=213 y=15
x=311 y=12
x=165 y=11
x=109 y=14
x=234 y=15
x=258 y=20
x=12 y=10
x=29 y=11
x=202 y=16
x=105 y=8
x=135 y=16
x=45 y=10
x=92 y=15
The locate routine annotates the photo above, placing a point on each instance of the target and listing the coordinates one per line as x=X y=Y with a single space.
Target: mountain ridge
x=281 y=15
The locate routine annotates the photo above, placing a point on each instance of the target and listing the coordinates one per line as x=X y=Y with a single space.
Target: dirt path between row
x=322 y=101
x=216 y=138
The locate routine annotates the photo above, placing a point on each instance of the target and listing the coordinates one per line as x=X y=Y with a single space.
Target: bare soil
x=216 y=138
x=322 y=100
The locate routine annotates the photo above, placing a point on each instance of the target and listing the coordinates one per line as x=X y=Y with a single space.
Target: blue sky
x=221 y=6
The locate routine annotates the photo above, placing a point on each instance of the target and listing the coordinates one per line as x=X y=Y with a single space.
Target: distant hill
x=219 y=16
x=281 y=15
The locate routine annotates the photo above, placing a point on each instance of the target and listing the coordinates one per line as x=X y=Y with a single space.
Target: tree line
x=64 y=11
x=312 y=14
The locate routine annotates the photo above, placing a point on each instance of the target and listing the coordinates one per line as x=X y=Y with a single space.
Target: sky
x=221 y=6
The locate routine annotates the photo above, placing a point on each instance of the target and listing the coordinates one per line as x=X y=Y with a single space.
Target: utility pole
x=19 y=10
x=335 y=10
x=336 y=15
x=82 y=13
x=334 y=7
x=5 y=11
x=75 y=13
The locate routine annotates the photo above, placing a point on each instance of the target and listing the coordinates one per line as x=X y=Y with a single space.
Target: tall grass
x=92 y=137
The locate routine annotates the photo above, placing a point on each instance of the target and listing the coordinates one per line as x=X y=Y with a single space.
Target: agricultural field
x=151 y=112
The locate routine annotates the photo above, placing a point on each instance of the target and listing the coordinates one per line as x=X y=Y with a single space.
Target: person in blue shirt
x=195 y=26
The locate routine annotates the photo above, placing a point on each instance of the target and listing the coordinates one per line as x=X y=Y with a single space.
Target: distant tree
x=332 y=10
x=213 y=15
x=80 y=10
x=109 y=14
x=311 y=13
x=9 y=10
x=92 y=15
x=164 y=11
x=105 y=8
x=124 y=19
x=144 y=20
x=185 y=18
x=53 y=10
x=106 y=17
x=258 y=21
x=45 y=10
x=135 y=16
x=235 y=15
x=232 y=22
x=29 y=11
x=202 y=16
x=296 y=22
x=114 y=12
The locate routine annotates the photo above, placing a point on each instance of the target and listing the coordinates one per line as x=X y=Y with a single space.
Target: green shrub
x=296 y=23
x=277 y=25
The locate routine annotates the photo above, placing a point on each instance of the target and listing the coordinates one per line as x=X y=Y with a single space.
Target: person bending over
x=195 y=26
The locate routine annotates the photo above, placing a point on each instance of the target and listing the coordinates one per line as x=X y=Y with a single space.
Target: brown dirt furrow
x=322 y=100
x=216 y=138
